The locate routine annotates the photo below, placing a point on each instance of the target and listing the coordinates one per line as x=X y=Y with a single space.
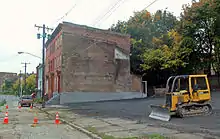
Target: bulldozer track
x=194 y=110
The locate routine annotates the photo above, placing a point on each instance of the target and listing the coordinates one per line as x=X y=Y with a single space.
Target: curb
x=90 y=134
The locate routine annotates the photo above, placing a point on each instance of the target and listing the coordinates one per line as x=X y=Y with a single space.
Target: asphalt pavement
x=139 y=110
x=21 y=125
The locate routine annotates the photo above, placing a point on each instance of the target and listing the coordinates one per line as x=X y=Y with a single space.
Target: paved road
x=19 y=126
x=139 y=110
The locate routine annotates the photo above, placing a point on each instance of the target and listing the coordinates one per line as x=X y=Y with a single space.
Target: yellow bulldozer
x=187 y=95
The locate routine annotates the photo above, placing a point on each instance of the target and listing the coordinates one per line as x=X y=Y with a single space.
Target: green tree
x=30 y=85
x=199 y=26
x=7 y=85
x=163 y=45
x=143 y=27
x=168 y=56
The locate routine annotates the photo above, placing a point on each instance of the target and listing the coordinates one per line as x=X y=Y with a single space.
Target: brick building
x=82 y=59
x=53 y=62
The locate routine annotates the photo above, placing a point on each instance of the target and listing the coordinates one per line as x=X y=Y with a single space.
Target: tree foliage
x=13 y=87
x=7 y=85
x=199 y=24
x=161 y=44
x=143 y=28
x=169 y=55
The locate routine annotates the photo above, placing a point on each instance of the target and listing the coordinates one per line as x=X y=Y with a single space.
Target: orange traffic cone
x=31 y=107
x=19 y=107
x=6 y=106
x=35 y=120
x=6 y=118
x=57 y=120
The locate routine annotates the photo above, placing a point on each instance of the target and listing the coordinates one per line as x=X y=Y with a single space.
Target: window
x=199 y=83
x=58 y=42
x=55 y=84
x=52 y=64
x=181 y=84
x=60 y=60
x=55 y=44
x=52 y=47
x=55 y=62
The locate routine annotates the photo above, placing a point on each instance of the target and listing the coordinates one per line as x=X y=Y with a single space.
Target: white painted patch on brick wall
x=120 y=55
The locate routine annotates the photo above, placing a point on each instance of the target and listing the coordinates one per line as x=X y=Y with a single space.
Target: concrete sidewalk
x=20 y=125
x=116 y=127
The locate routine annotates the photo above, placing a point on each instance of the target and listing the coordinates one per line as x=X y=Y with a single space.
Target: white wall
x=76 y=97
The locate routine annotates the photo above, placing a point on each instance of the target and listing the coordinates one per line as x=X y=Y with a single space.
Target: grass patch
x=8 y=93
x=38 y=100
x=2 y=103
x=104 y=136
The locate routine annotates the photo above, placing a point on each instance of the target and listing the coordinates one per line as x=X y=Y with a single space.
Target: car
x=26 y=100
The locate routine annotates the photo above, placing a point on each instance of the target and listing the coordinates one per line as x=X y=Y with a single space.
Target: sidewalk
x=114 y=128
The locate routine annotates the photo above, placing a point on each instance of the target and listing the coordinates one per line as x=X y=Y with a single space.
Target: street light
x=29 y=54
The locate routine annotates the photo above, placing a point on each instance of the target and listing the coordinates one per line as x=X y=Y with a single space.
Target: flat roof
x=59 y=28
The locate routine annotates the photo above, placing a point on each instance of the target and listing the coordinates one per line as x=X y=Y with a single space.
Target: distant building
x=39 y=80
x=84 y=59
x=7 y=76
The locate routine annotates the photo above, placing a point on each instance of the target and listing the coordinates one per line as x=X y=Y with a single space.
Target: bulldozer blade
x=160 y=113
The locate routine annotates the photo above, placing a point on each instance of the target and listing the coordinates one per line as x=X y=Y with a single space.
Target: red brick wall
x=53 y=53
x=122 y=40
x=136 y=83
x=53 y=63
x=88 y=61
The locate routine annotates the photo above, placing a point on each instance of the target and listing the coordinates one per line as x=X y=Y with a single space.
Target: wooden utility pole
x=44 y=36
x=20 y=83
x=25 y=75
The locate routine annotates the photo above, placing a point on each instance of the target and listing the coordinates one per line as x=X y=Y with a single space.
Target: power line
x=109 y=8
x=73 y=55
x=116 y=4
x=68 y=12
x=150 y=4
x=103 y=17
x=112 y=8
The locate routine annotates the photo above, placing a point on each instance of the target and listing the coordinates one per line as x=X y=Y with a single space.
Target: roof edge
x=96 y=29
x=54 y=34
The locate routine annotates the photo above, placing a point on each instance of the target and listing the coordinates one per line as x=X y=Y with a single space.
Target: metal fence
x=8 y=97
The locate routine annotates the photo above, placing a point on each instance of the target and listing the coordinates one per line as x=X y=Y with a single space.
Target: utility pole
x=19 y=90
x=25 y=75
x=44 y=35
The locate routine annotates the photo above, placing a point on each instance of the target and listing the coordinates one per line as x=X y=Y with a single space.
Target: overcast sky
x=18 y=18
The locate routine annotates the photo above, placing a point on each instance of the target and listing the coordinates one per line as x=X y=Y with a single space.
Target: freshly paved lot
x=20 y=122
x=139 y=110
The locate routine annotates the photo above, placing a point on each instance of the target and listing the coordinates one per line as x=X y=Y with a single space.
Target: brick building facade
x=84 y=59
x=53 y=62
